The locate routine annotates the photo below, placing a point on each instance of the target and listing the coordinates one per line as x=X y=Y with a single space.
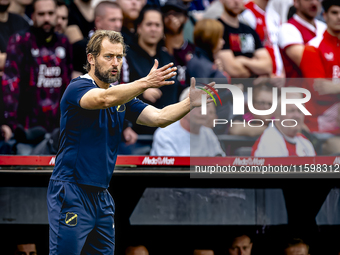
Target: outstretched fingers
x=167 y=74
x=163 y=68
x=167 y=82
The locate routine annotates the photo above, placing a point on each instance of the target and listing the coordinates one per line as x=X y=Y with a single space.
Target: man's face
x=292 y=112
x=241 y=246
x=332 y=18
x=211 y=115
x=263 y=101
x=233 y=7
x=62 y=19
x=45 y=16
x=308 y=8
x=174 y=21
x=299 y=249
x=131 y=8
x=26 y=249
x=109 y=62
x=111 y=20
x=150 y=31
x=196 y=118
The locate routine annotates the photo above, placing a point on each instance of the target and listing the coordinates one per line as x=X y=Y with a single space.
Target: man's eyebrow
x=119 y=54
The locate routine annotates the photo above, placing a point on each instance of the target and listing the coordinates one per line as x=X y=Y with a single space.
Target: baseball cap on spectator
x=176 y=5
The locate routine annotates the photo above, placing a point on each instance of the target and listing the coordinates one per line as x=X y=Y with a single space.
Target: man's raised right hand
x=157 y=77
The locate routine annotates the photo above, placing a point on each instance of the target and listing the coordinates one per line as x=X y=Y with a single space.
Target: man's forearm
x=235 y=69
x=259 y=66
x=174 y=112
x=121 y=94
x=154 y=117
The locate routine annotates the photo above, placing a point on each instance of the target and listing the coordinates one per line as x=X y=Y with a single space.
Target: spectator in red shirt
x=321 y=60
x=298 y=31
x=280 y=140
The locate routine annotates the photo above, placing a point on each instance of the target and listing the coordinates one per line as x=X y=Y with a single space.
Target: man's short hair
x=295 y=241
x=101 y=6
x=95 y=43
x=61 y=3
x=326 y=4
x=34 y=1
x=265 y=86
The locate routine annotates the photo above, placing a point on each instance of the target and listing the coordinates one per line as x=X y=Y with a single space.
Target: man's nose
x=47 y=17
x=115 y=61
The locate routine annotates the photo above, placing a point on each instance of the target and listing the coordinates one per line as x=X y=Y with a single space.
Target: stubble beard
x=105 y=76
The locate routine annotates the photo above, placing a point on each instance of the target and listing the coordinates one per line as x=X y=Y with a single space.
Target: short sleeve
x=76 y=90
x=258 y=43
x=226 y=45
x=247 y=17
x=289 y=35
x=311 y=64
x=134 y=108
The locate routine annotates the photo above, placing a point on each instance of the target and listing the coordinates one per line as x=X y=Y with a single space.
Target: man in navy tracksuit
x=80 y=209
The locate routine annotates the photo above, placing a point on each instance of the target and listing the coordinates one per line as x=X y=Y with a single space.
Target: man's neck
x=333 y=33
x=173 y=41
x=230 y=20
x=85 y=9
x=283 y=130
x=14 y=7
x=261 y=3
x=3 y=17
x=83 y=4
x=150 y=49
x=309 y=20
x=101 y=84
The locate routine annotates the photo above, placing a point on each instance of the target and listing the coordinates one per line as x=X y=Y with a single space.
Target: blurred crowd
x=238 y=244
x=260 y=46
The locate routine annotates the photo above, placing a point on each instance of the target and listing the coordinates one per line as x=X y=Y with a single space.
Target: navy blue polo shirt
x=89 y=138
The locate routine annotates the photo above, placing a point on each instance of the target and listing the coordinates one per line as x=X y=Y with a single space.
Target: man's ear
x=91 y=59
x=97 y=21
x=324 y=15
